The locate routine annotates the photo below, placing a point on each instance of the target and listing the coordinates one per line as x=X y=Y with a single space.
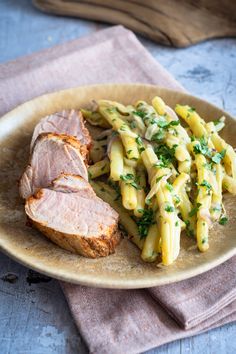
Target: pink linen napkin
x=120 y=321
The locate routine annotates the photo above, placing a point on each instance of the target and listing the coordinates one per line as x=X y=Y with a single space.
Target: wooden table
x=34 y=319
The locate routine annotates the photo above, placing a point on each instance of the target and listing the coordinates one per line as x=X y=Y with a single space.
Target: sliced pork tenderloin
x=68 y=122
x=52 y=155
x=71 y=215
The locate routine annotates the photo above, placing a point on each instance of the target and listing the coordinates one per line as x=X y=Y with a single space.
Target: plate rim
x=90 y=280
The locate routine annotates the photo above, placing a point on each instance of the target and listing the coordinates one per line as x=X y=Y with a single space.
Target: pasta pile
x=162 y=176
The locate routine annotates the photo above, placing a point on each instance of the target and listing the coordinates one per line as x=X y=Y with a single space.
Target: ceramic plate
x=124 y=269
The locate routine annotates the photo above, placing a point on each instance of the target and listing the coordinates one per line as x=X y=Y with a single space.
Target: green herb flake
x=223 y=220
x=129 y=151
x=176 y=223
x=194 y=210
x=165 y=154
x=187 y=223
x=159 y=178
x=177 y=199
x=169 y=208
x=206 y=184
x=135 y=185
x=218 y=156
x=202 y=148
x=174 y=123
x=127 y=177
x=139 y=141
x=158 y=136
x=204 y=240
x=146 y=220
x=217 y=121
x=139 y=113
x=169 y=187
x=191 y=109
x=162 y=123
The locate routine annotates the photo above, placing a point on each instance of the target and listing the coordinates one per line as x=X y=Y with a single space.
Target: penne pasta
x=116 y=160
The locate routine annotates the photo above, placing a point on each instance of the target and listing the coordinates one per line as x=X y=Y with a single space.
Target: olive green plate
x=124 y=269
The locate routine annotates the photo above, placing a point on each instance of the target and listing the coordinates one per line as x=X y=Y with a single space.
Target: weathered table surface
x=35 y=318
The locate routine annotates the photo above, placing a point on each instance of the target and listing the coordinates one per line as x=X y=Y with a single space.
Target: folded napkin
x=122 y=321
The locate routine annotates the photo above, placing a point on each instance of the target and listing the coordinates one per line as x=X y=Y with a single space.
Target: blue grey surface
x=34 y=319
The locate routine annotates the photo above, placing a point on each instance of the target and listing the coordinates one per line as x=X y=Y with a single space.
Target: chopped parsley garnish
x=194 y=210
x=204 y=240
x=159 y=135
x=217 y=121
x=165 y=154
x=218 y=156
x=135 y=185
x=189 y=231
x=129 y=178
x=159 y=178
x=191 y=109
x=177 y=199
x=140 y=114
x=139 y=140
x=169 y=187
x=129 y=151
x=169 y=208
x=187 y=223
x=176 y=223
x=140 y=144
x=206 y=184
x=164 y=124
x=223 y=220
x=202 y=148
x=146 y=220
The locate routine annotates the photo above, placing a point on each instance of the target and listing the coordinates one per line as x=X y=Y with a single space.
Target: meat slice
x=68 y=122
x=52 y=155
x=71 y=215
